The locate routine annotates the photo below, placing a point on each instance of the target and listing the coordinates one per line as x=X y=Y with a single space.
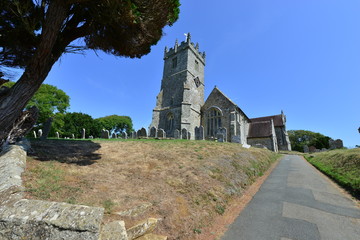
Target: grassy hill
x=342 y=165
x=185 y=183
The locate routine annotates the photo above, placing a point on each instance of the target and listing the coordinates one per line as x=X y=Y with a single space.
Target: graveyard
x=185 y=184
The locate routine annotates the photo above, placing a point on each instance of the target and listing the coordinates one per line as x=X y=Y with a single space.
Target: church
x=180 y=106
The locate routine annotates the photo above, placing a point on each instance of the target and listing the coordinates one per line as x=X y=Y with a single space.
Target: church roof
x=278 y=120
x=228 y=99
x=260 y=129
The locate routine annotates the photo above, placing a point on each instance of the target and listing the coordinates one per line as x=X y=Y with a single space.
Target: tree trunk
x=14 y=101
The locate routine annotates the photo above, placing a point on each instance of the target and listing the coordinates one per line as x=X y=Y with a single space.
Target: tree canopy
x=35 y=33
x=116 y=124
x=75 y=122
x=300 y=138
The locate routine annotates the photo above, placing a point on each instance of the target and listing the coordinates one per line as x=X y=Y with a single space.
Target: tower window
x=213 y=121
x=174 y=62
x=169 y=122
x=196 y=65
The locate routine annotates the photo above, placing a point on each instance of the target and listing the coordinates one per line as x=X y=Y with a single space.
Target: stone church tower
x=181 y=96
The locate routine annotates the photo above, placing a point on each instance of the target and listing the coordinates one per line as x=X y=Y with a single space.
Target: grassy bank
x=185 y=183
x=342 y=165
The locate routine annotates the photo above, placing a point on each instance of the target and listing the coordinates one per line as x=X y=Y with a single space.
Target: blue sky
x=300 y=56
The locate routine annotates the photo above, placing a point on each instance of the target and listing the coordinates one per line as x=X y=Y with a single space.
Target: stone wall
x=33 y=219
x=258 y=142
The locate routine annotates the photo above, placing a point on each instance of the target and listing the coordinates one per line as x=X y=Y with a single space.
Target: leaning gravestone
x=83 y=133
x=184 y=133
x=124 y=135
x=34 y=134
x=57 y=135
x=177 y=134
x=153 y=132
x=161 y=133
x=39 y=133
x=72 y=136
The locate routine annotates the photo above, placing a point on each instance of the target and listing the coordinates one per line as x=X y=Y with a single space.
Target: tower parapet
x=168 y=53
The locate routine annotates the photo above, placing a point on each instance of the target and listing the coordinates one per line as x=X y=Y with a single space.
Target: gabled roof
x=215 y=90
x=260 y=129
x=278 y=120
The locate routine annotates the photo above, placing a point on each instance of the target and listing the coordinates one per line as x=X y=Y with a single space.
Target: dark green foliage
x=75 y=122
x=300 y=138
x=51 y=102
x=115 y=123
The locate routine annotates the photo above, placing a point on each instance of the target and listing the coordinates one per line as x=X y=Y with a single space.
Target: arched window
x=213 y=121
x=170 y=122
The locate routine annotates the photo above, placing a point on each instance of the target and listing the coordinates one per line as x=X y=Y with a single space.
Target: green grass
x=342 y=165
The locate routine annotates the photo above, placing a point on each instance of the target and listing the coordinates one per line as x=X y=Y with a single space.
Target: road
x=296 y=202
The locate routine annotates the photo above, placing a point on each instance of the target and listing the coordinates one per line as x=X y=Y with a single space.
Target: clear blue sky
x=302 y=57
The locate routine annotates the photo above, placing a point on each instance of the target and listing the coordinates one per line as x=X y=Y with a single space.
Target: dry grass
x=185 y=183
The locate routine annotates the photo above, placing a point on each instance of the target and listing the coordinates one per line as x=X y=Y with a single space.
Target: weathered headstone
x=107 y=134
x=113 y=135
x=57 y=135
x=39 y=133
x=142 y=133
x=184 y=134
x=306 y=148
x=161 y=133
x=83 y=133
x=153 y=132
x=133 y=135
x=221 y=134
x=177 y=134
x=91 y=137
x=34 y=134
x=189 y=135
x=124 y=135
x=199 y=133
x=73 y=136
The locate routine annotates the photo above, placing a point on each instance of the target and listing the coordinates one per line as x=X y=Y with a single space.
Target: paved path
x=297 y=203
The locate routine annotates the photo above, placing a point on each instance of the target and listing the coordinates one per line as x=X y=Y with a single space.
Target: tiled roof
x=278 y=120
x=260 y=129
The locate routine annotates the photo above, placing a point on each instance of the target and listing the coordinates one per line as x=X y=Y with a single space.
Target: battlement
x=183 y=45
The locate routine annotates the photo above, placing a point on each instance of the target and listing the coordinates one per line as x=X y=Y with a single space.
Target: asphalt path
x=297 y=202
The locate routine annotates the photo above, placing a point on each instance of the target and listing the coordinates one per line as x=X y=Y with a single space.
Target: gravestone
x=107 y=134
x=184 y=134
x=153 y=132
x=177 y=134
x=133 y=135
x=142 y=133
x=189 y=135
x=199 y=133
x=83 y=133
x=57 y=135
x=73 y=136
x=312 y=149
x=221 y=134
x=335 y=144
x=124 y=135
x=114 y=135
x=161 y=133
x=34 y=134
x=306 y=148
x=39 y=133
x=91 y=137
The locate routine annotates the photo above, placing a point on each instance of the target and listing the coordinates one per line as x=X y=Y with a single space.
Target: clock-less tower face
x=182 y=89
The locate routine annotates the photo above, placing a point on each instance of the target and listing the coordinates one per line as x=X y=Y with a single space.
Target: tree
x=300 y=138
x=116 y=124
x=75 y=122
x=35 y=33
